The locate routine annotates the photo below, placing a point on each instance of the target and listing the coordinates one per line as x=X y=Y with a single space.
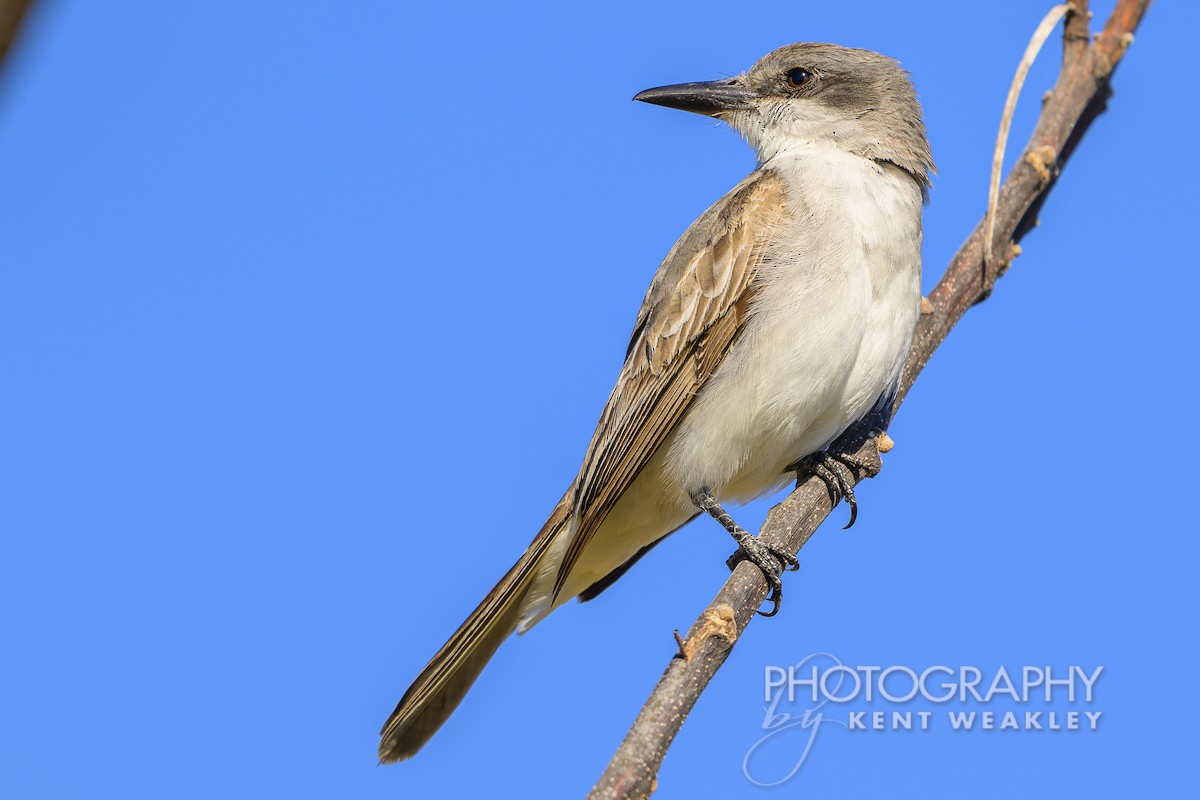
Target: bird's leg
x=834 y=471
x=771 y=560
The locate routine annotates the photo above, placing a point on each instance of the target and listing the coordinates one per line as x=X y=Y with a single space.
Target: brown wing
x=692 y=314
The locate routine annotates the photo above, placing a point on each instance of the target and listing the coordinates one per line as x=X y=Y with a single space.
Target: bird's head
x=807 y=94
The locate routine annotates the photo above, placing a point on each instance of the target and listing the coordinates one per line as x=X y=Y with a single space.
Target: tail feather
x=444 y=682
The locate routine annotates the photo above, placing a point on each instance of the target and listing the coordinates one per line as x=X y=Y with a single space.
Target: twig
x=1077 y=99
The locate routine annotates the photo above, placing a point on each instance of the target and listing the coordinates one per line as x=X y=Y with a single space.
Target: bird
x=780 y=318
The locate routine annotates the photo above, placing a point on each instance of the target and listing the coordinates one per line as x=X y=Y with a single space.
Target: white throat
x=773 y=134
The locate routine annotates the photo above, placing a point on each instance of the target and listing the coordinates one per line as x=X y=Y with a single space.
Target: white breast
x=834 y=310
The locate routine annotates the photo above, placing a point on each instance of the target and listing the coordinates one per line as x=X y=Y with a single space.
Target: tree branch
x=1077 y=99
x=12 y=12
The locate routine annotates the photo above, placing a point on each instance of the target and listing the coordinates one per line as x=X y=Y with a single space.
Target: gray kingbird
x=780 y=318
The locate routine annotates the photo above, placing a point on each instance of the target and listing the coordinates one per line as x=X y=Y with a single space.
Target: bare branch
x=12 y=12
x=1077 y=99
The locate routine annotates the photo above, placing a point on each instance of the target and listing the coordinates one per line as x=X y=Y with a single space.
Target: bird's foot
x=772 y=561
x=834 y=471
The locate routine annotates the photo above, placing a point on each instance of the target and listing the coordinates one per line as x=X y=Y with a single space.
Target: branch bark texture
x=1078 y=97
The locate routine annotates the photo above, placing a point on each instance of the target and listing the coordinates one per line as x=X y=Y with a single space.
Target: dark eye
x=798 y=77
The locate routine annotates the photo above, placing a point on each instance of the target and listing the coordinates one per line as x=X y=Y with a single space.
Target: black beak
x=710 y=98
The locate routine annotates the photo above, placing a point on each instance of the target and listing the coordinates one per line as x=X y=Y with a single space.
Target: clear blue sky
x=289 y=288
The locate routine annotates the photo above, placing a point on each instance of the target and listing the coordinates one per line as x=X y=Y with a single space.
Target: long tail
x=444 y=682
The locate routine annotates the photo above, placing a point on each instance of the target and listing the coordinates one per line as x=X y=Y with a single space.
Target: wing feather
x=692 y=314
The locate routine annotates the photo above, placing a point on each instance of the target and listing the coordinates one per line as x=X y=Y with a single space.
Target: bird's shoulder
x=710 y=267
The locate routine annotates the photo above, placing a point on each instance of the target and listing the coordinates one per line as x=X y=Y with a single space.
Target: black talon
x=853 y=511
x=768 y=560
x=771 y=561
x=834 y=472
x=774 y=597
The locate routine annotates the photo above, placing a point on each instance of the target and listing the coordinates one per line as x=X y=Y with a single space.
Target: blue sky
x=289 y=289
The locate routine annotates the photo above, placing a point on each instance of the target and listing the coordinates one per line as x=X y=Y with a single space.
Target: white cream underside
x=836 y=302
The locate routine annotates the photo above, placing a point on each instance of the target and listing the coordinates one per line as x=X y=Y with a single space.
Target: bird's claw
x=771 y=561
x=834 y=471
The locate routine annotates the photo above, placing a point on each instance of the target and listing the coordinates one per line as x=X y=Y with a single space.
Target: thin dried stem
x=1010 y=105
